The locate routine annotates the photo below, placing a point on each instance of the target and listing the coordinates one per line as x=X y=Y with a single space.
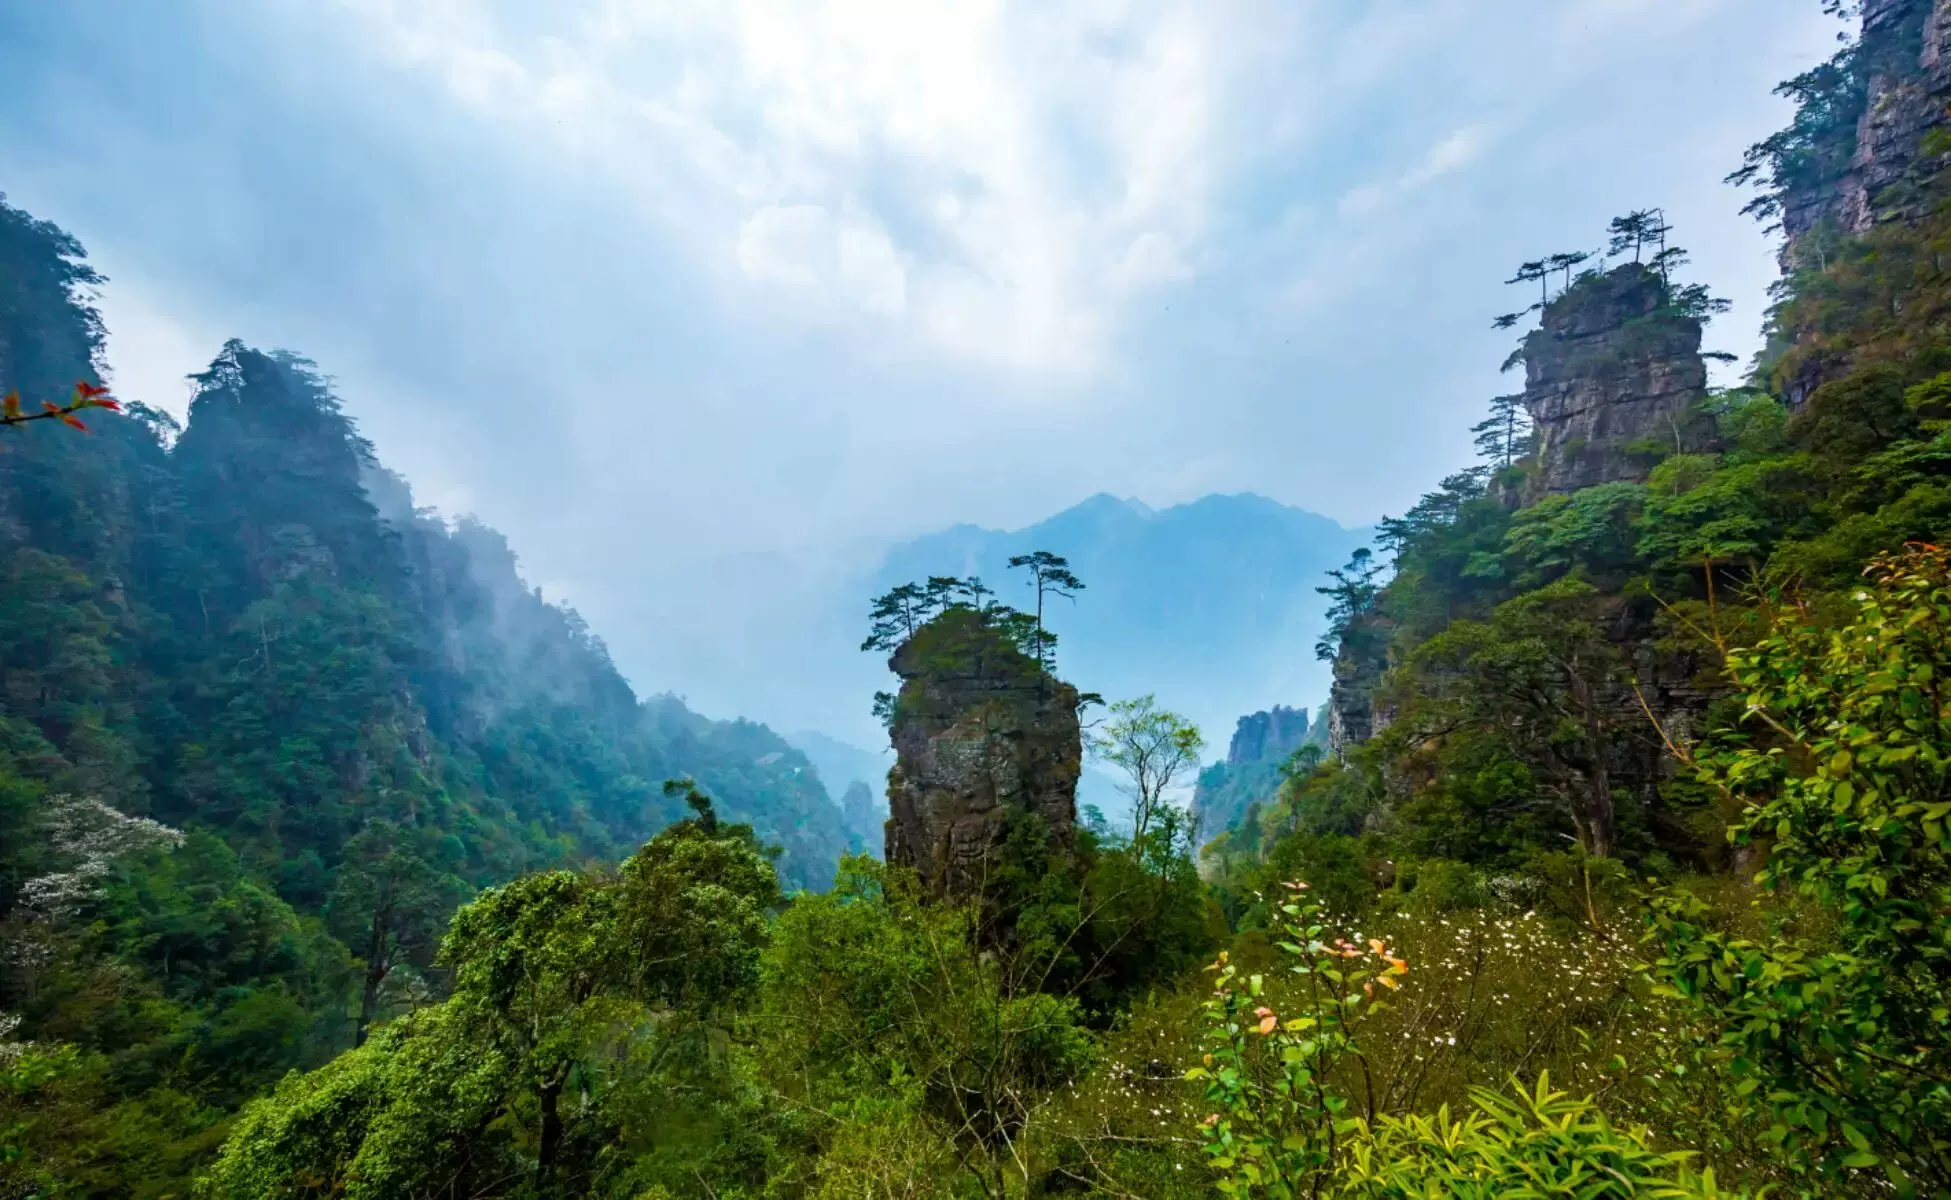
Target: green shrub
x=1839 y=1036
x=1531 y=1144
x=1276 y=1125
x=1435 y=886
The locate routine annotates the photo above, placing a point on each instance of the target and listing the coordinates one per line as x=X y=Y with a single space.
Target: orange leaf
x=11 y=404
x=71 y=419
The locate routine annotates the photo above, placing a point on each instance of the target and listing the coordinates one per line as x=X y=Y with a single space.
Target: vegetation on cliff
x=1629 y=873
x=345 y=715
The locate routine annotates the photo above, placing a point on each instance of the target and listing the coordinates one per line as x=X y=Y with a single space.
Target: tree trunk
x=1598 y=799
x=1598 y=780
x=378 y=966
x=368 y=1003
x=551 y=1126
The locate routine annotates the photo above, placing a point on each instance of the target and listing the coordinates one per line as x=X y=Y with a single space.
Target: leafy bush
x=1840 y=1036
x=1531 y=1144
x=1276 y=1127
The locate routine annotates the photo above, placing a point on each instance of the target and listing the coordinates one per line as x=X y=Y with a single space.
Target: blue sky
x=646 y=284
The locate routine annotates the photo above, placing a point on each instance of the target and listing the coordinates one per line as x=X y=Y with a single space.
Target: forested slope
x=356 y=712
x=1629 y=873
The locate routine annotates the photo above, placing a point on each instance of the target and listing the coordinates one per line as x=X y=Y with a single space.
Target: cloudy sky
x=661 y=288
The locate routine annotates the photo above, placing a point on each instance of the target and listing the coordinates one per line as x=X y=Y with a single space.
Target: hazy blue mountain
x=1254 y=766
x=841 y=766
x=1210 y=605
x=841 y=763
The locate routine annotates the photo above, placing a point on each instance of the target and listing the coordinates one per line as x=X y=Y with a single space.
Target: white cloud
x=566 y=256
x=1154 y=258
x=1456 y=151
x=806 y=250
x=151 y=352
x=918 y=161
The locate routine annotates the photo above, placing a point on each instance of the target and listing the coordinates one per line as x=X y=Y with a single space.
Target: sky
x=704 y=301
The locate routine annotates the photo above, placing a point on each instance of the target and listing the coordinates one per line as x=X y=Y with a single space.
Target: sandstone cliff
x=1613 y=378
x=1267 y=736
x=981 y=733
x=1353 y=717
x=1610 y=365
x=1262 y=743
x=1869 y=162
x=864 y=817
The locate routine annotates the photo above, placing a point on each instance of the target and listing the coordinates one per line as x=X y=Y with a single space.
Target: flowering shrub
x=1277 y=1125
x=92 y=835
x=1128 y=1128
x=1298 y=1105
x=1497 y=994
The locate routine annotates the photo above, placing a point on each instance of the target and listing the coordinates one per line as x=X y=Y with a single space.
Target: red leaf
x=70 y=419
x=90 y=390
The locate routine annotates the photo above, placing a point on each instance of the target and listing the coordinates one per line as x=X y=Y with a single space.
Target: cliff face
x=1262 y=743
x=1352 y=715
x=1612 y=367
x=1609 y=367
x=1267 y=736
x=864 y=817
x=980 y=733
x=1892 y=98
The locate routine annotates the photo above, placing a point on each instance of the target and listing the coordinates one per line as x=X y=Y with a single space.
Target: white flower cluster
x=10 y=1050
x=92 y=834
x=1517 y=891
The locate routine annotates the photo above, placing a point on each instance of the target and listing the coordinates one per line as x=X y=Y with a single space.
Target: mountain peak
x=1107 y=504
x=1210 y=604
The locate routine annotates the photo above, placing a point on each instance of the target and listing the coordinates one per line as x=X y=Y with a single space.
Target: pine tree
x=1566 y=262
x=1050 y=574
x=1538 y=271
x=1351 y=596
x=1634 y=231
x=1506 y=434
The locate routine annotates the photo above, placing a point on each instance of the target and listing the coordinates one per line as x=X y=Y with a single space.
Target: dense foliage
x=1841 y=1036
x=330 y=860
x=330 y=718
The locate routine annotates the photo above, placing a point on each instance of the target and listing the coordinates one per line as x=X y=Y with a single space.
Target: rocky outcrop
x=1262 y=743
x=1613 y=378
x=1611 y=365
x=1268 y=736
x=864 y=816
x=1353 y=716
x=981 y=734
x=1887 y=104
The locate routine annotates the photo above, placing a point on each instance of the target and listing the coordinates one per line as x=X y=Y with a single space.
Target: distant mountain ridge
x=844 y=768
x=1254 y=766
x=245 y=624
x=1208 y=604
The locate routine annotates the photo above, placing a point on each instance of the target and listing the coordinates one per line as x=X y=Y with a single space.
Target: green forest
x=335 y=860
